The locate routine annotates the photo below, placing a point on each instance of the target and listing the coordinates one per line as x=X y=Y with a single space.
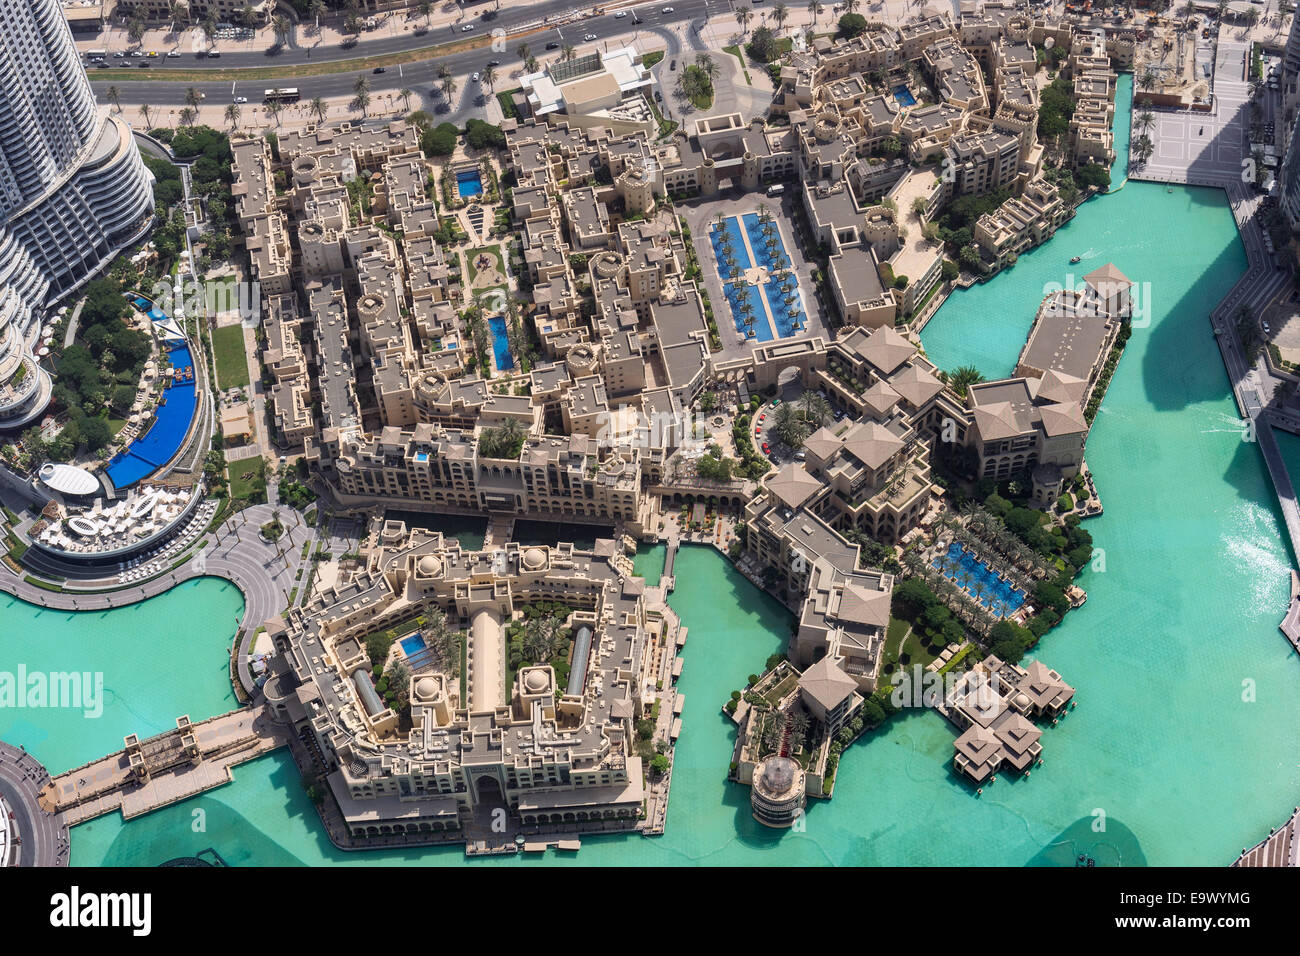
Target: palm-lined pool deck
x=980 y=581
x=778 y=309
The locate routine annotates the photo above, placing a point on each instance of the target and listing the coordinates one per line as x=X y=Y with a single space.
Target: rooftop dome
x=778 y=775
x=534 y=558
x=426 y=688
x=536 y=681
x=429 y=565
x=1021 y=699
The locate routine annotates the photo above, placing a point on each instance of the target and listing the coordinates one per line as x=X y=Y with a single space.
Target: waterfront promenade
x=264 y=572
x=34 y=837
x=1281 y=848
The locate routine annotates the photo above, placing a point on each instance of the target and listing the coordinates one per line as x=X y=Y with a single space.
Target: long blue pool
x=997 y=595
x=785 y=308
x=159 y=445
x=501 y=343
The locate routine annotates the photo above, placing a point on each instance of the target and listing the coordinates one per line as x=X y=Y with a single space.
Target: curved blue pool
x=163 y=440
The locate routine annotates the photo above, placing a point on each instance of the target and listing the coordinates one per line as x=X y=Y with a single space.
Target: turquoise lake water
x=1184 y=740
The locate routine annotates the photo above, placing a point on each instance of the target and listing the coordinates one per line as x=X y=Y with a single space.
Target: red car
x=765 y=450
x=763 y=417
x=757 y=431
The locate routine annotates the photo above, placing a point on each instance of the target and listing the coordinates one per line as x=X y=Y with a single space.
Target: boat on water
x=1074 y=259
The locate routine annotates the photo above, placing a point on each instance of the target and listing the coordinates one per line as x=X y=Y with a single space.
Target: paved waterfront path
x=42 y=839
x=265 y=572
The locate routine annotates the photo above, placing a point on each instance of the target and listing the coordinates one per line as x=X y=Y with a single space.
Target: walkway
x=1280 y=849
x=263 y=571
x=37 y=838
x=107 y=784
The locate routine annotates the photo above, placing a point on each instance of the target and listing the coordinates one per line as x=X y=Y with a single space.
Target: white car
x=589 y=37
x=173 y=53
x=466 y=28
x=241 y=99
x=667 y=10
x=474 y=78
x=620 y=15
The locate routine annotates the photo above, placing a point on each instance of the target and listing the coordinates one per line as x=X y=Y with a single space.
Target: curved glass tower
x=73 y=191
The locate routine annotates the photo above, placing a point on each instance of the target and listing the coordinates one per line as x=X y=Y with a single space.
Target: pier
x=667 y=580
x=147 y=775
x=1281 y=848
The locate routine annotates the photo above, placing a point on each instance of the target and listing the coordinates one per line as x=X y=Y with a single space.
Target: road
x=44 y=840
x=419 y=76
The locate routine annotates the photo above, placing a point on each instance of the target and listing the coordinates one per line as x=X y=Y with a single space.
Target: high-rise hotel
x=73 y=191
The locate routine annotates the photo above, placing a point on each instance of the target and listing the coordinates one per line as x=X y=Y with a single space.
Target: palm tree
x=850 y=6
x=780 y=13
x=317 y=10
x=319 y=108
x=135 y=29
x=816 y=9
x=962 y=377
x=209 y=26
x=114 y=96
x=490 y=77
x=145 y=110
x=361 y=102
x=187 y=115
x=541 y=637
x=425 y=7
x=232 y=115
x=567 y=53
x=178 y=12
x=743 y=16
x=193 y=97
x=1146 y=119
x=280 y=27
x=274 y=107
x=449 y=86
x=1148 y=80
x=522 y=52
x=530 y=64
x=405 y=94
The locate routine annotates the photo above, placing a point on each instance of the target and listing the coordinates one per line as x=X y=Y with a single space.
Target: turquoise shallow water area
x=1183 y=744
x=159 y=659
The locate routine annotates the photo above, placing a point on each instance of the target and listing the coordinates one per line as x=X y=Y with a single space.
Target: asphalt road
x=44 y=841
x=420 y=76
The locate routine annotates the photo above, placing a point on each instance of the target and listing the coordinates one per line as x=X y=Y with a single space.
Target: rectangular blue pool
x=501 y=343
x=412 y=645
x=980 y=581
x=784 y=306
x=469 y=182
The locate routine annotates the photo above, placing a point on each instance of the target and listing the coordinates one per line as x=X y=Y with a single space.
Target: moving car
x=241 y=99
x=474 y=78
x=494 y=62
x=466 y=28
x=553 y=45
x=620 y=15
x=667 y=10
x=589 y=37
x=379 y=69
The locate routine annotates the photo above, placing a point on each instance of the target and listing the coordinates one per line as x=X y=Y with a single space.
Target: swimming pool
x=469 y=182
x=904 y=96
x=501 y=343
x=777 y=298
x=979 y=581
x=412 y=645
x=171 y=423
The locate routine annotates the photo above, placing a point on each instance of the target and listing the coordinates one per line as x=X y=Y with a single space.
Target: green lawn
x=232 y=361
x=735 y=51
x=650 y=59
x=472 y=254
x=241 y=486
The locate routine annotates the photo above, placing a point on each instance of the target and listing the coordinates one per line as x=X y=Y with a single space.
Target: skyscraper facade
x=73 y=191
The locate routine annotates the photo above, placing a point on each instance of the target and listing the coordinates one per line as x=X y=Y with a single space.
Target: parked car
x=766 y=450
x=672 y=65
x=173 y=53
x=474 y=78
